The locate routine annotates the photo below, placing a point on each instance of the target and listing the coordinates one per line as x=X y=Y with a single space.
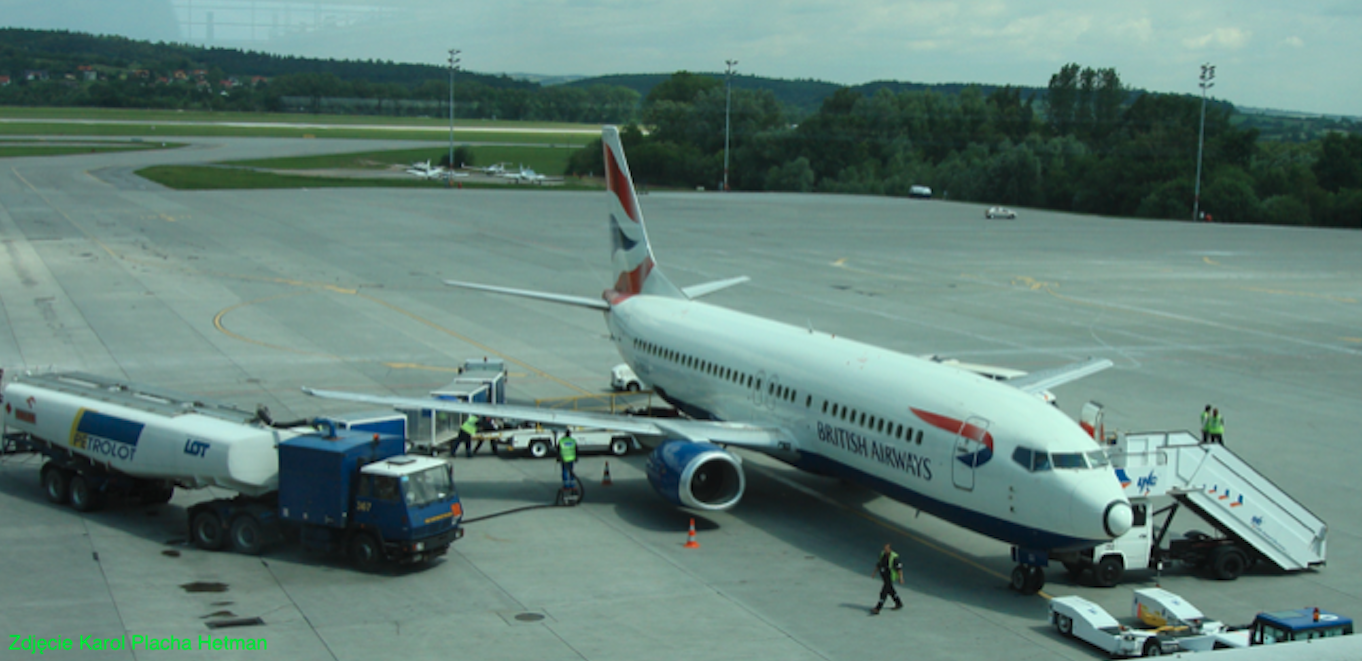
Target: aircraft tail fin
x=631 y=256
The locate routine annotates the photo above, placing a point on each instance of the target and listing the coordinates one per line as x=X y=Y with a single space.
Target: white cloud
x=1293 y=41
x=1228 y=38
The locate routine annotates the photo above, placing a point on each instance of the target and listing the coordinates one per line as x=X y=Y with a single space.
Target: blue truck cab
x=389 y=506
x=343 y=489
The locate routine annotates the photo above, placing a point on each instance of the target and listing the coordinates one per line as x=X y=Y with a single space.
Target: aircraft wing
x=704 y=431
x=1037 y=382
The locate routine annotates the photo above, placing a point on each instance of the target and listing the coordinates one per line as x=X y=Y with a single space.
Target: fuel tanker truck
x=348 y=490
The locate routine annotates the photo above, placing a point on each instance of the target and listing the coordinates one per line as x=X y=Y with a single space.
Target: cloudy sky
x=1304 y=55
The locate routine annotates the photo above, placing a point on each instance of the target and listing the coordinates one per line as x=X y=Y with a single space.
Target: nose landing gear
x=1028 y=577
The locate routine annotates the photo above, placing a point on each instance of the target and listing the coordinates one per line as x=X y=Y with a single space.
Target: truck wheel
x=1228 y=563
x=619 y=446
x=247 y=536
x=539 y=448
x=1152 y=648
x=57 y=484
x=206 y=530
x=632 y=387
x=1108 y=571
x=1065 y=625
x=84 y=498
x=365 y=552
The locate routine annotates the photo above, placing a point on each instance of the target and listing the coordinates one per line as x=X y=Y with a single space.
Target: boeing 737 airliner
x=990 y=456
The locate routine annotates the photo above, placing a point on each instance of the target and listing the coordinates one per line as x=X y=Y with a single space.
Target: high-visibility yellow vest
x=1206 y=421
x=893 y=560
x=1217 y=425
x=567 y=448
x=470 y=425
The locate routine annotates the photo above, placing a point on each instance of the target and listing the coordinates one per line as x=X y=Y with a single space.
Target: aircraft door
x=973 y=447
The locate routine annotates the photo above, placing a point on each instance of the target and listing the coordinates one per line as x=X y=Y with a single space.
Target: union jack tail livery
x=631 y=255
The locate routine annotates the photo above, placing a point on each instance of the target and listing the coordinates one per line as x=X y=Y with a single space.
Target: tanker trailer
x=336 y=489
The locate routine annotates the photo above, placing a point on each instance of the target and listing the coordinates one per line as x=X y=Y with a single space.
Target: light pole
x=1207 y=76
x=453 y=64
x=728 y=111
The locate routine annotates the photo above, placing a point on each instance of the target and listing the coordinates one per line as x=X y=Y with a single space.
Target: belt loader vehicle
x=348 y=489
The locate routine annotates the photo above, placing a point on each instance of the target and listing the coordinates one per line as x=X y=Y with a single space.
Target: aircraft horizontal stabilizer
x=726 y=433
x=1037 y=382
x=579 y=301
x=696 y=291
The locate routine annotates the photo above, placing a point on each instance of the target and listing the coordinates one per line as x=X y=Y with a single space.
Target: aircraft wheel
x=206 y=530
x=1073 y=569
x=1035 y=580
x=57 y=484
x=1108 y=571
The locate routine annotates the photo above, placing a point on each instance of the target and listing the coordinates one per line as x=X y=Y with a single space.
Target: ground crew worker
x=466 y=431
x=890 y=570
x=567 y=456
x=1206 y=424
x=1217 y=427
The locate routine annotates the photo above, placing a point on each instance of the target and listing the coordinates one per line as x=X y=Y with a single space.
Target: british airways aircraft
x=987 y=455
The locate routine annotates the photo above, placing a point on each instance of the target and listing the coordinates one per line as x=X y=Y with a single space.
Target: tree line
x=1088 y=146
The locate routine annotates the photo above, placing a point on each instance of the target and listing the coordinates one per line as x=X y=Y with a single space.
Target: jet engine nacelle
x=698 y=475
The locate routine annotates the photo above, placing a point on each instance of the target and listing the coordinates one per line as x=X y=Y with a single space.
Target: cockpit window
x=1069 y=460
x=1023 y=457
x=1098 y=459
x=1040 y=461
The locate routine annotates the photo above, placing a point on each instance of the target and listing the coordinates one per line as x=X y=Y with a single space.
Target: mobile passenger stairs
x=1256 y=520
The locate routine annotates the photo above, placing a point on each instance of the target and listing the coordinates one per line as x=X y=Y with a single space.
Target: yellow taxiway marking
x=1210 y=261
x=1286 y=292
x=1357 y=340
x=840 y=262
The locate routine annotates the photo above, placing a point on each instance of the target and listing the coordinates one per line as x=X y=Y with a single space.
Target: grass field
x=551 y=161
x=208 y=177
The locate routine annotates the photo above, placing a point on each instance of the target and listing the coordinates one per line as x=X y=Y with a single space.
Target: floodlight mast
x=453 y=64
x=1207 y=76
x=728 y=111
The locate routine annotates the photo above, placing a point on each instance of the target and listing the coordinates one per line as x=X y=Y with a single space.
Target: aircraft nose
x=1118 y=518
x=1098 y=512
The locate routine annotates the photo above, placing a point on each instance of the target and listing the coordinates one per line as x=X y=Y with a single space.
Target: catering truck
x=309 y=480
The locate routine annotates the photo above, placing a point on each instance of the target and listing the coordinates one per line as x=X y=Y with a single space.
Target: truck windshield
x=428 y=486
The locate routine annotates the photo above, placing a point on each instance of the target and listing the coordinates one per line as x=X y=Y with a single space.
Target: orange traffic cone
x=690 y=539
x=605 y=481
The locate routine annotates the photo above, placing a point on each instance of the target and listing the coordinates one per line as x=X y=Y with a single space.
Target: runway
x=248 y=295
